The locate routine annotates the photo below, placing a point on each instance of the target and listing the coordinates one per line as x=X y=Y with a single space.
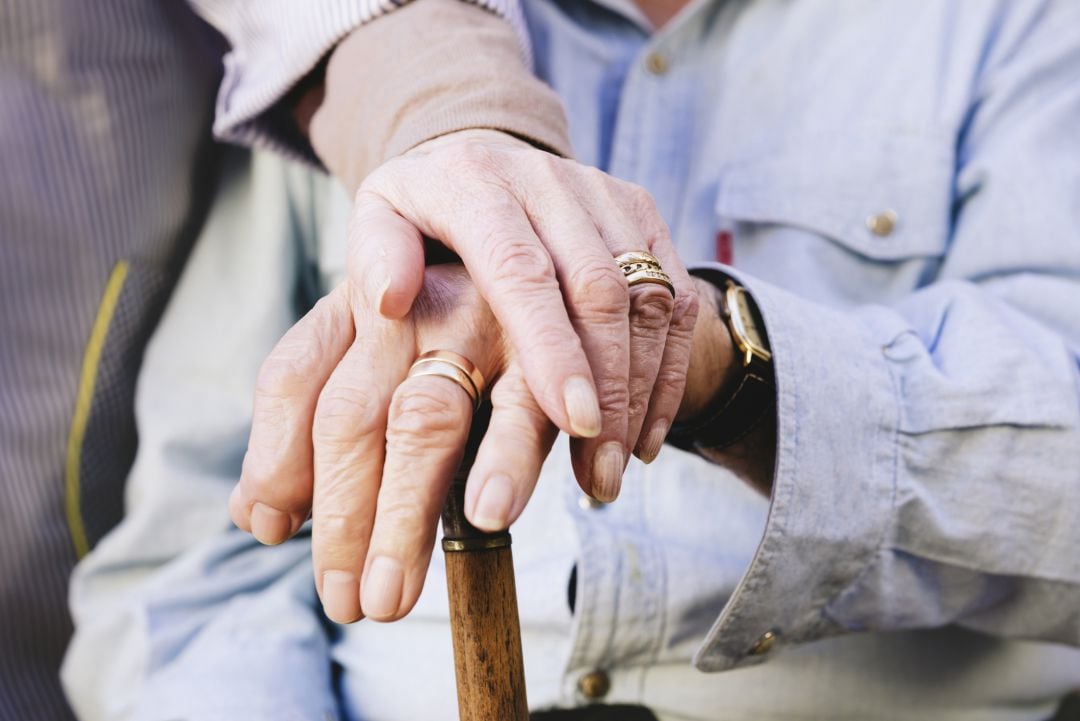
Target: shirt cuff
x=277 y=43
x=833 y=487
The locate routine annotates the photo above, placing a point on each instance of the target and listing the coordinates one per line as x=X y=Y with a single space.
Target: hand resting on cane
x=381 y=482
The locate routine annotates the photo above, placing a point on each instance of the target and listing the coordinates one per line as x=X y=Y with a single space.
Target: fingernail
x=269 y=525
x=654 y=441
x=381 y=304
x=341 y=596
x=238 y=510
x=381 y=594
x=607 y=471
x=492 y=512
x=582 y=407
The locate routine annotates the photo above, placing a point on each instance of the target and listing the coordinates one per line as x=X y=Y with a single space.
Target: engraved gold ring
x=640 y=266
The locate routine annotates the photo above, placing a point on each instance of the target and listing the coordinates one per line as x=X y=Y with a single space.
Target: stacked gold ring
x=456 y=367
x=639 y=266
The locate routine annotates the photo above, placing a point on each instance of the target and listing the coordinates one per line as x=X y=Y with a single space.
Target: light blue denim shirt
x=898 y=183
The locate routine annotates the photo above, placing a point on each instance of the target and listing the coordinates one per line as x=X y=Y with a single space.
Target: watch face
x=746 y=323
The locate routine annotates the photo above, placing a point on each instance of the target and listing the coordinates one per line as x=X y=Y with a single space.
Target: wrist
x=487 y=137
x=713 y=367
x=732 y=391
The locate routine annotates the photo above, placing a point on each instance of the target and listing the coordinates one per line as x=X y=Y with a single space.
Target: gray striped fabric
x=104 y=114
x=106 y=166
x=275 y=43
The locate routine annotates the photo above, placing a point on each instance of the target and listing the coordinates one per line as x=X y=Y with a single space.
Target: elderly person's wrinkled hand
x=538 y=235
x=387 y=442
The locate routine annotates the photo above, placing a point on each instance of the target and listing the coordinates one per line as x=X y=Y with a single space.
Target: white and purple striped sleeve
x=274 y=44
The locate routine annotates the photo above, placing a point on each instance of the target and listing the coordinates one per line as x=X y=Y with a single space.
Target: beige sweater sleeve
x=425 y=70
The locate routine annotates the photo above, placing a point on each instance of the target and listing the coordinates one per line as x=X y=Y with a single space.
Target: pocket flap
x=887 y=200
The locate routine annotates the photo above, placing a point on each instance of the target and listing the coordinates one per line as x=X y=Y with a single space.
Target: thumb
x=386 y=256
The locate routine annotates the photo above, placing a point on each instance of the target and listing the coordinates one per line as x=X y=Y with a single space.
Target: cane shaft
x=487 y=637
x=483 y=608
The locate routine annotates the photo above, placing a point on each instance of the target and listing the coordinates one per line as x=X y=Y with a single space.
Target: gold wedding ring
x=456 y=367
x=639 y=266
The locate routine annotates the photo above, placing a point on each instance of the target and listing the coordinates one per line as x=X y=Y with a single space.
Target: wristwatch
x=735 y=412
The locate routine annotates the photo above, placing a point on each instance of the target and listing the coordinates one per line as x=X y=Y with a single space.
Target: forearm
x=710 y=363
x=431 y=68
x=908 y=473
x=278 y=49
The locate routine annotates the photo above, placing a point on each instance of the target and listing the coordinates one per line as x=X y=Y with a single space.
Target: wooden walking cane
x=483 y=606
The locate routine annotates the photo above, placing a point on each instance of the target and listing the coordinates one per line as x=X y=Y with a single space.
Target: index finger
x=348 y=441
x=515 y=274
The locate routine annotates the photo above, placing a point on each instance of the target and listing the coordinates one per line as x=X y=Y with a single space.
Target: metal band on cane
x=486 y=543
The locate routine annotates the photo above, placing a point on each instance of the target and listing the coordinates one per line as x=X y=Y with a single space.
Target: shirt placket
x=659 y=106
x=621 y=576
x=618 y=615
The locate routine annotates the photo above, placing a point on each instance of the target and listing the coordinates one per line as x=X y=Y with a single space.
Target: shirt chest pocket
x=840 y=220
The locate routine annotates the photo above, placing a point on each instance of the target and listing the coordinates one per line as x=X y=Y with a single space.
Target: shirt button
x=656 y=63
x=594 y=685
x=588 y=503
x=764 y=644
x=882 y=224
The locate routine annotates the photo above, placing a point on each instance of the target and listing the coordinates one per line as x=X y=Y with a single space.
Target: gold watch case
x=746 y=326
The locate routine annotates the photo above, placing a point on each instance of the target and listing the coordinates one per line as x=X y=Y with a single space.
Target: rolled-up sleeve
x=928 y=456
x=274 y=44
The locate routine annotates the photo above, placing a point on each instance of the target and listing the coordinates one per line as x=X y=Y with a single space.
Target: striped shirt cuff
x=276 y=43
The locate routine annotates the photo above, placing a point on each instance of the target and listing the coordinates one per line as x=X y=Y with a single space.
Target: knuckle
x=614 y=397
x=652 y=308
x=598 y=180
x=685 y=310
x=270 y=422
x=423 y=413
x=642 y=208
x=336 y=529
x=599 y=289
x=368 y=189
x=519 y=261
x=344 y=413
x=257 y=473
x=551 y=170
x=285 y=371
x=672 y=374
x=283 y=483
x=551 y=348
x=406 y=508
x=638 y=405
x=366 y=204
x=470 y=156
x=670 y=381
x=512 y=392
x=546 y=338
x=520 y=416
x=642 y=200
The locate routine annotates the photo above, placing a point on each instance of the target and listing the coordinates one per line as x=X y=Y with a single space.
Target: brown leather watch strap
x=731 y=416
